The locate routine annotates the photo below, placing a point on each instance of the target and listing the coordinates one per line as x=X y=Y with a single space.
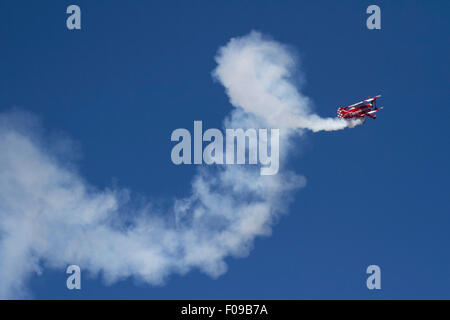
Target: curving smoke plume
x=51 y=217
x=257 y=74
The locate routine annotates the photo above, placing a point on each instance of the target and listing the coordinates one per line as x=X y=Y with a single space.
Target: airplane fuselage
x=354 y=112
x=360 y=110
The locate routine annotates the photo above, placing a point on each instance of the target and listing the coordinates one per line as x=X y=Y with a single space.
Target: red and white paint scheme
x=360 y=110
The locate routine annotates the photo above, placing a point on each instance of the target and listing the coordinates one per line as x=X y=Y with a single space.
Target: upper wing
x=372 y=99
x=362 y=102
x=355 y=105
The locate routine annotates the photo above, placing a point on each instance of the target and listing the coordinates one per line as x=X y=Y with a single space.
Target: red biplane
x=360 y=110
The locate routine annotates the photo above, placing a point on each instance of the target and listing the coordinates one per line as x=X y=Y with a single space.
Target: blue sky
x=375 y=194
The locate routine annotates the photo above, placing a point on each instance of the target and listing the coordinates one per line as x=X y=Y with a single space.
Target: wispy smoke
x=51 y=217
x=258 y=76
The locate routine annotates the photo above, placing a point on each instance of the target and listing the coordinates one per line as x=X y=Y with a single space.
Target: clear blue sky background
x=376 y=194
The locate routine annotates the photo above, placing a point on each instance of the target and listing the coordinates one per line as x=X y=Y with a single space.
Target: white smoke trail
x=51 y=217
x=257 y=74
